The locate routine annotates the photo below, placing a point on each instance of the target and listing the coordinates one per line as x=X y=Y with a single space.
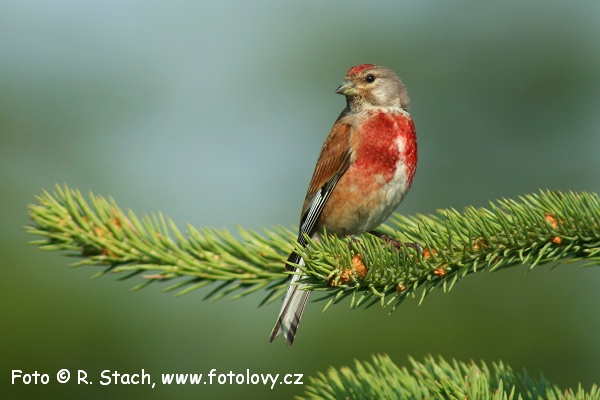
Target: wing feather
x=334 y=160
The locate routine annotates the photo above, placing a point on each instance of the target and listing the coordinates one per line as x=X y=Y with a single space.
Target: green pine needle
x=101 y=234
x=435 y=379
x=547 y=227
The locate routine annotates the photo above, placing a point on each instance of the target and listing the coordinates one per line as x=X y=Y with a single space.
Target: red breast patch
x=379 y=149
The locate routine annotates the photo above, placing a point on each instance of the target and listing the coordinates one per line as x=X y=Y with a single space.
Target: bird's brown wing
x=334 y=160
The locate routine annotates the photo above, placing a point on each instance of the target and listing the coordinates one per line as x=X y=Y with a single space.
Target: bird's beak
x=347 y=88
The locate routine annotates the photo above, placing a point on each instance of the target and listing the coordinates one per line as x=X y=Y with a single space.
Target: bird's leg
x=395 y=243
x=353 y=240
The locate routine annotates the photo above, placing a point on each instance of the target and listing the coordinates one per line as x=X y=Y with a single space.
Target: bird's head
x=373 y=86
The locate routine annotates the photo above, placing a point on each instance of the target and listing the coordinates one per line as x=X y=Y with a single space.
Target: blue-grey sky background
x=214 y=113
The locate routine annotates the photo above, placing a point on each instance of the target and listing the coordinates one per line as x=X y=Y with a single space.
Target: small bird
x=365 y=168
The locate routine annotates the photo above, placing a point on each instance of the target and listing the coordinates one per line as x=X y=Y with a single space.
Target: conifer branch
x=536 y=229
x=103 y=235
x=435 y=379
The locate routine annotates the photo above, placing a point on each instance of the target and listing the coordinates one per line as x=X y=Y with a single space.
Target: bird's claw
x=390 y=241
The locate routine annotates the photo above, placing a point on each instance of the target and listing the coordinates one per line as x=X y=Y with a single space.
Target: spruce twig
x=536 y=229
x=102 y=234
x=435 y=379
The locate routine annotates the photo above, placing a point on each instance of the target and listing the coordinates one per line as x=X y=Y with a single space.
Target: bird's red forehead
x=359 y=68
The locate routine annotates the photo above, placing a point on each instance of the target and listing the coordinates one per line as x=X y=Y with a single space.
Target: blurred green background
x=214 y=113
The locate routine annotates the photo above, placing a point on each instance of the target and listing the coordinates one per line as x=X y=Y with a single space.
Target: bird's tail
x=291 y=310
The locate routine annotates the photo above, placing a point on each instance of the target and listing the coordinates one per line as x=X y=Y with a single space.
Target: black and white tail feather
x=296 y=297
x=293 y=305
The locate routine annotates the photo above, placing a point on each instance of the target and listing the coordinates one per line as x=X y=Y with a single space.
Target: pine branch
x=435 y=379
x=103 y=235
x=539 y=228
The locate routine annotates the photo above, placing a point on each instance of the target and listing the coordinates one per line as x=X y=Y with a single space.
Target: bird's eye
x=370 y=78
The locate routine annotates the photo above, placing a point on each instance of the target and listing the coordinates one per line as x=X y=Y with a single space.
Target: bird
x=364 y=170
